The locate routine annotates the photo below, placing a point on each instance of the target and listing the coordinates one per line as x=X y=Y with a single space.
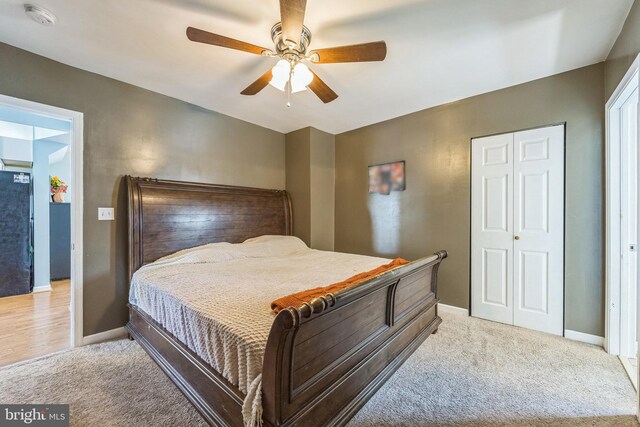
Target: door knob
x=517 y=237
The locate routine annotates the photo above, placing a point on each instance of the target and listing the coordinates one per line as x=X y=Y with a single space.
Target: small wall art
x=387 y=177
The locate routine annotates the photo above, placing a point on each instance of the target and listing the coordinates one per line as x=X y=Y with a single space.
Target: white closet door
x=517 y=229
x=492 y=228
x=539 y=229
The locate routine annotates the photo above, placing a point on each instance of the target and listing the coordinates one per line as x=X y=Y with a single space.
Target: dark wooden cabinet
x=60 y=240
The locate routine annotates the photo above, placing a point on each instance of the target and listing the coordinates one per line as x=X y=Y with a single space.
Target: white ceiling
x=28 y=133
x=438 y=50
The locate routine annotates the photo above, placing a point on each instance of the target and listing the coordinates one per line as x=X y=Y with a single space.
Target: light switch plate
x=105 y=214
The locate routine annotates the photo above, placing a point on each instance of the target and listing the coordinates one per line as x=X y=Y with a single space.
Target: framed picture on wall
x=387 y=177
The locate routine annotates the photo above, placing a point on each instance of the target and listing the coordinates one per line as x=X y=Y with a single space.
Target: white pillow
x=277 y=245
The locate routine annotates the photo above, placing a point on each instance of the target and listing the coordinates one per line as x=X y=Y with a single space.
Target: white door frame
x=614 y=208
x=76 y=153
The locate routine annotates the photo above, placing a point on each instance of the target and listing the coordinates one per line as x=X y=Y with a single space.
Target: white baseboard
x=581 y=336
x=105 y=336
x=42 y=288
x=450 y=309
x=631 y=371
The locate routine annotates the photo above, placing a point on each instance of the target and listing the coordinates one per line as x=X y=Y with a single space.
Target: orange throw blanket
x=297 y=299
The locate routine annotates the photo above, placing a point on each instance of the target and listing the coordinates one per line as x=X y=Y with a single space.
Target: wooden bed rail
x=322 y=303
x=326 y=358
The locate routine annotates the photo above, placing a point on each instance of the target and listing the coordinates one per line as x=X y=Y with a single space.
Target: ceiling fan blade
x=201 y=36
x=292 y=18
x=320 y=88
x=365 y=52
x=258 y=85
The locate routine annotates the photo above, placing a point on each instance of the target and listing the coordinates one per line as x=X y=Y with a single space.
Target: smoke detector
x=40 y=14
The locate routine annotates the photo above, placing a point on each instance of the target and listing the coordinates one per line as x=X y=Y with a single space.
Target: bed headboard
x=167 y=216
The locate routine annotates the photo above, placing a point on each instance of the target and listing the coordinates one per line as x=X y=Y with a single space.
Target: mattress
x=216 y=299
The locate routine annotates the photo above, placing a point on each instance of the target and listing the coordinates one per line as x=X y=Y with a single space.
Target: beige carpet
x=472 y=373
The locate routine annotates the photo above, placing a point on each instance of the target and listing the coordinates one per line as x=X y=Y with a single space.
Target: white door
x=517 y=249
x=539 y=229
x=492 y=228
x=628 y=224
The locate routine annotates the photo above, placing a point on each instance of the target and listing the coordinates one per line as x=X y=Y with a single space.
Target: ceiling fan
x=292 y=39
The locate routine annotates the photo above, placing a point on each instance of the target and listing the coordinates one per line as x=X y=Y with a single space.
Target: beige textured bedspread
x=216 y=299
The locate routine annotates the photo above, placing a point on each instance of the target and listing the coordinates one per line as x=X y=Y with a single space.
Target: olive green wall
x=322 y=180
x=434 y=211
x=128 y=130
x=310 y=165
x=298 y=179
x=624 y=51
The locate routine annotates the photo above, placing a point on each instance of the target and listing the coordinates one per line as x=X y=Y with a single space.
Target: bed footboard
x=325 y=359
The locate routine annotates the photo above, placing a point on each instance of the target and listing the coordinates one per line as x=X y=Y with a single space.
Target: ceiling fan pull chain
x=289 y=85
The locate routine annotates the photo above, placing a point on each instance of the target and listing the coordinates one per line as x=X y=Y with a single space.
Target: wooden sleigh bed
x=346 y=344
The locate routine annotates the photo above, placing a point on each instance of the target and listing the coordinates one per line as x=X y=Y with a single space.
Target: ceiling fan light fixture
x=300 y=78
x=280 y=74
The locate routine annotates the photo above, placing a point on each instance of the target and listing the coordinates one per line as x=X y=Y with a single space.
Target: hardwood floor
x=36 y=324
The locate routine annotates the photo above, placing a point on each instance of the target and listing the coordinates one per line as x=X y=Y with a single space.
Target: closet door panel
x=539 y=229
x=492 y=228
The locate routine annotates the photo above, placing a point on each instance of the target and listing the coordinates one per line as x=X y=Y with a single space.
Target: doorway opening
x=622 y=222
x=40 y=229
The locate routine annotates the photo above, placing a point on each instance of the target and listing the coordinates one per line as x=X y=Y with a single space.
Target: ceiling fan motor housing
x=285 y=49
